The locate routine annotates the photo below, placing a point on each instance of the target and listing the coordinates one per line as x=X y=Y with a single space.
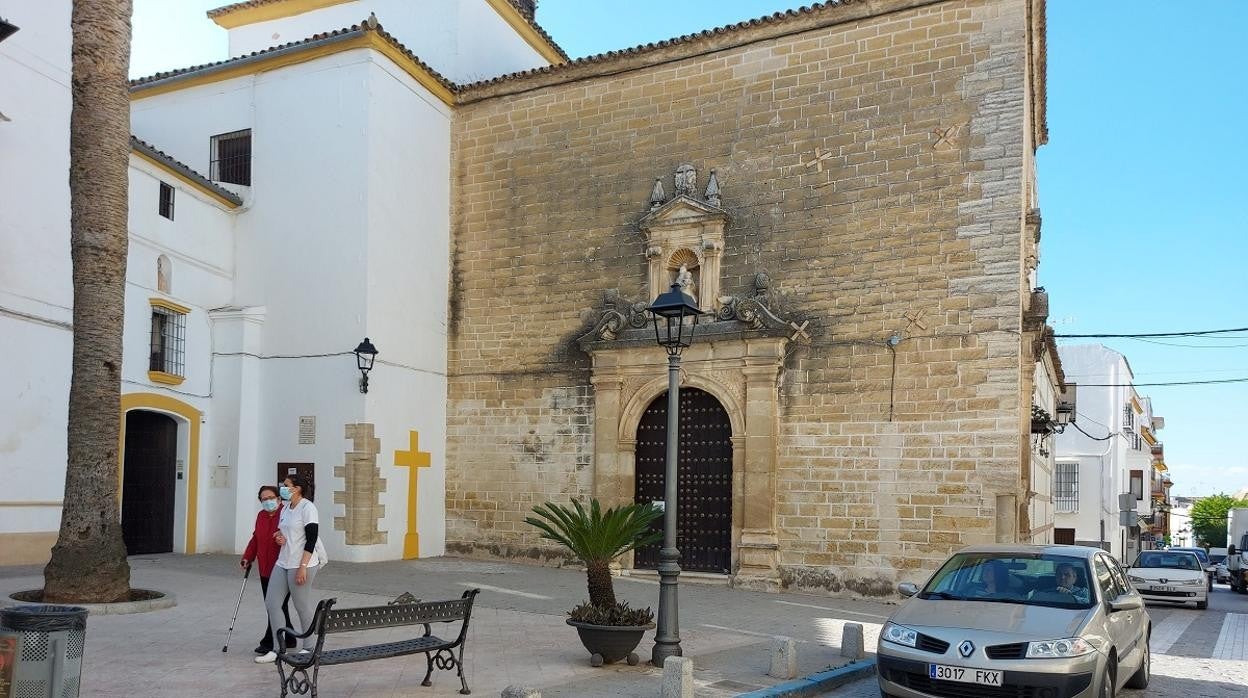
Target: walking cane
x=246 y=573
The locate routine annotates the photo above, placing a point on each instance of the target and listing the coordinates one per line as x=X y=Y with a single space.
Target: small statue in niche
x=684 y=279
x=163 y=274
x=686 y=180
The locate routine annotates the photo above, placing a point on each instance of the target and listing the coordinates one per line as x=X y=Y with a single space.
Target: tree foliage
x=1209 y=518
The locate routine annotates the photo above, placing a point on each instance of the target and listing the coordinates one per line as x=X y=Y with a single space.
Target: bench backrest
x=344 y=620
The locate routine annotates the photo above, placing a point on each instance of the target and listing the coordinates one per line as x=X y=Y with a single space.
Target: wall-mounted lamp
x=365 y=354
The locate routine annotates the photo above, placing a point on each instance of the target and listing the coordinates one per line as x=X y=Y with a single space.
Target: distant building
x=1113 y=462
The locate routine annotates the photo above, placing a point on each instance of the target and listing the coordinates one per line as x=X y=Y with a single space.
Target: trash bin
x=45 y=646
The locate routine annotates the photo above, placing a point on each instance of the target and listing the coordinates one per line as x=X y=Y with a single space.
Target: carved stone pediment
x=682 y=211
x=685 y=238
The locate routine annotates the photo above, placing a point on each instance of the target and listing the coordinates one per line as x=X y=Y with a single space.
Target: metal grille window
x=168 y=341
x=1066 y=488
x=1137 y=484
x=231 y=158
x=166 y=201
x=1128 y=418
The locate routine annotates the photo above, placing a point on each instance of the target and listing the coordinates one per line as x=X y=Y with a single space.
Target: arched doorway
x=704 y=505
x=148 y=482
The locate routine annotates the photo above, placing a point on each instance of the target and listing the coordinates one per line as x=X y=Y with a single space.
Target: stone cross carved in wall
x=685 y=237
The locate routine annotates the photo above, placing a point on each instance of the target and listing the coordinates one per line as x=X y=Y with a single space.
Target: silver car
x=1004 y=620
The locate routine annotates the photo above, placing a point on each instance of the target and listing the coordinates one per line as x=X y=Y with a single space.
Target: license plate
x=1158 y=588
x=982 y=677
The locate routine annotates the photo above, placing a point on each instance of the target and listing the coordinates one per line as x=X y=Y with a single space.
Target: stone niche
x=737 y=356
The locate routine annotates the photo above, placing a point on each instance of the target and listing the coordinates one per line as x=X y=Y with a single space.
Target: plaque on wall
x=307 y=431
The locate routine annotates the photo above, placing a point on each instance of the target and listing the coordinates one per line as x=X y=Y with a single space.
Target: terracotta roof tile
x=226 y=9
x=368 y=25
x=609 y=56
x=152 y=152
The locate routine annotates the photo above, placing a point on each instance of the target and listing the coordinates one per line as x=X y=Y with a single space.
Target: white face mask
x=269 y=504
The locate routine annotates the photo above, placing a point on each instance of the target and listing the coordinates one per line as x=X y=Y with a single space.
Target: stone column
x=608 y=470
x=759 y=548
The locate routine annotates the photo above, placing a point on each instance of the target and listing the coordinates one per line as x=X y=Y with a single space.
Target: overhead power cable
x=1194 y=333
x=1141 y=385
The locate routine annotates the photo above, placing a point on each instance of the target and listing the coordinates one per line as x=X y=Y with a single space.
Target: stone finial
x=656 y=194
x=371 y=22
x=783 y=658
x=686 y=180
x=677 y=678
x=712 y=190
x=851 y=641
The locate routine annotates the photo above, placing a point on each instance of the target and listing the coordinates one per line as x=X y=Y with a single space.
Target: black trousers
x=267 y=642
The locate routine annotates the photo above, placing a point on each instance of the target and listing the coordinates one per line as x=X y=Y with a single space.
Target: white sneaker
x=267 y=658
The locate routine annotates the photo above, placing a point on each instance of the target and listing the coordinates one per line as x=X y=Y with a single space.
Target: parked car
x=1170 y=576
x=1222 y=574
x=1058 y=620
x=1204 y=561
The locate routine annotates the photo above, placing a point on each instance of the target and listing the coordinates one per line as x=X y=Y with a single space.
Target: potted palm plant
x=610 y=630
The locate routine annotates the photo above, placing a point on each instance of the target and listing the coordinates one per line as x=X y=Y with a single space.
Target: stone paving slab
x=518 y=634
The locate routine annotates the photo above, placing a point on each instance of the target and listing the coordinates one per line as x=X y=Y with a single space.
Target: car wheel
x=1202 y=605
x=1108 y=688
x=1140 y=678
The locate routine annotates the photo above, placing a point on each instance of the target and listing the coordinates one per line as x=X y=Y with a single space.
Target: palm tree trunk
x=89 y=559
x=601 y=593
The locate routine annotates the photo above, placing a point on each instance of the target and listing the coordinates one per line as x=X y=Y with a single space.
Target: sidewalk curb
x=817 y=683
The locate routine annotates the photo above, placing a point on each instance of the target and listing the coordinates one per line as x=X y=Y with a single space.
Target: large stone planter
x=608 y=644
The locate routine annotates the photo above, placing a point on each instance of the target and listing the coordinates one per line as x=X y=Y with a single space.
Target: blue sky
x=1139 y=184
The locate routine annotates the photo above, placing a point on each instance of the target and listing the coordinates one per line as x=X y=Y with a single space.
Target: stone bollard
x=783 y=658
x=851 y=641
x=677 y=678
x=514 y=691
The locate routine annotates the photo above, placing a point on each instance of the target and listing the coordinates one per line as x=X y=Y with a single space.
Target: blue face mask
x=284 y=492
x=269 y=504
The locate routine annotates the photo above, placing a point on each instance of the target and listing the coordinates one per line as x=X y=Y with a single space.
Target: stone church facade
x=850 y=193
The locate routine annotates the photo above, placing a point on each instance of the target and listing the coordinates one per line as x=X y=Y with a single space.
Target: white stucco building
x=1111 y=458
x=285 y=203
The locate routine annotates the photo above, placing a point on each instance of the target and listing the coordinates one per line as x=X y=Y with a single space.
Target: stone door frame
x=743 y=374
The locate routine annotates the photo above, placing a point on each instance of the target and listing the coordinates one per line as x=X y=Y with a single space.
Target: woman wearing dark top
x=301 y=556
x=262 y=549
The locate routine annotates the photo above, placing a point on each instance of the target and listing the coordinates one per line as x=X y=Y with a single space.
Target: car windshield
x=1204 y=557
x=1169 y=560
x=1217 y=559
x=1031 y=579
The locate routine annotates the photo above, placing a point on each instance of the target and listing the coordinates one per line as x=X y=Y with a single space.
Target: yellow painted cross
x=414 y=459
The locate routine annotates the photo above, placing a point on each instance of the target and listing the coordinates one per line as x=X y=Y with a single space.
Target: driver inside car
x=1066 y=581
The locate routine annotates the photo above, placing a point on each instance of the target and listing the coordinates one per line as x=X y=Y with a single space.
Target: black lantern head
x=365 y=354
x=6 y=29
x=675 y=317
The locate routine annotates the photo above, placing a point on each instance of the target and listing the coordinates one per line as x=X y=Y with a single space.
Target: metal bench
x=294 y=667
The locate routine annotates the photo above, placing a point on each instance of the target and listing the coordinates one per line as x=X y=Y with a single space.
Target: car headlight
x=1194 y=582
x=1137 y=580
x=899 y=635
x=1055 y=649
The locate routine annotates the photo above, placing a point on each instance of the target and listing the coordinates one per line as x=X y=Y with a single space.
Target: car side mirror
x=1126 y=602
x=907 y=589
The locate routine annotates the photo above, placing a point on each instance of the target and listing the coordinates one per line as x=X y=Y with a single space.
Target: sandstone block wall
x=875 y=169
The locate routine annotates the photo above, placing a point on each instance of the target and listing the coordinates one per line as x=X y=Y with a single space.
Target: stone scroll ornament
x=617 y=315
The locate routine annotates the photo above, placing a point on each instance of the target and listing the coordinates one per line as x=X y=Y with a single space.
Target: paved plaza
x=517 y=636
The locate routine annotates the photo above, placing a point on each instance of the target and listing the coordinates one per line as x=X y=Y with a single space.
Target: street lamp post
x=675 y=317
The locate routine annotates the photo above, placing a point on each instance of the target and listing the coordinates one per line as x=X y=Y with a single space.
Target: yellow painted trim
x=243 y=16
x=512 y=17
x=169 y=305
x=1135 y=403
x=411 y=67
x=164 y=403
x=199 y=186
x=1148 y=436
x=165 y=378
x=414 y=459
x=48 y=503
x=369 y=39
